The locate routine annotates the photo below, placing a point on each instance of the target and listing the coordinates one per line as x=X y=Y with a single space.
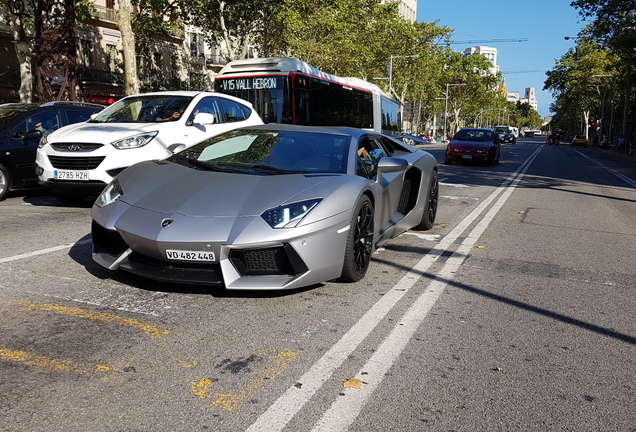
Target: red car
x=473 y=146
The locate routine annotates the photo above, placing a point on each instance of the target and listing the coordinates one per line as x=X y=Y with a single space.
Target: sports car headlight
x=111 y=194
x=289 y=215
x=134 y=141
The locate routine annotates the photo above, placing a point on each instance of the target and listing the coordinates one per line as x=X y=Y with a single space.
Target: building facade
x=182 y=59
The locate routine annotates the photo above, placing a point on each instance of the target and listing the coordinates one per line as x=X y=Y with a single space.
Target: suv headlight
x=111 y=194
x=134 y=141
x=289 y=215
x=43 y=141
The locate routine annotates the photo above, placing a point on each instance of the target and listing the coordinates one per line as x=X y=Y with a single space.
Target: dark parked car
x=22 y=126
x=473 y=146
x=412 y=139
x=509 y=138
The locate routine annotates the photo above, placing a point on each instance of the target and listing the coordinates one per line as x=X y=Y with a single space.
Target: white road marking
x=459 y=185
x=429 y=237
x=459 y=198
x=344 y=410
x=276 y=417
x=621 y=176
x=42 y=251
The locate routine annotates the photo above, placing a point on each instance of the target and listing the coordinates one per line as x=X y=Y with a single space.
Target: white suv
x=79 y=160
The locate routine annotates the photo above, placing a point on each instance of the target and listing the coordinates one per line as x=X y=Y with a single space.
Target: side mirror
x=389 y=165
x=203 y=119
x=176 y=148
x=32 y=134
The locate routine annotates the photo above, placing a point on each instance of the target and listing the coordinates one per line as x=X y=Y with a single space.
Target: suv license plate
x=71 y=175
x=184 y=255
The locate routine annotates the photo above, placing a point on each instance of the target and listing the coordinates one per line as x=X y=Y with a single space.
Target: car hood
x=105 y=133
x=168 y=188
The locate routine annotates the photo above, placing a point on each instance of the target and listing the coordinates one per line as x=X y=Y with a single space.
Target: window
x=46 y=122
x=86 y=53
x=112 y=57
x=158 y=61
x=370 y=151
x=233 y=111
x=209 y=106
x=78 y=116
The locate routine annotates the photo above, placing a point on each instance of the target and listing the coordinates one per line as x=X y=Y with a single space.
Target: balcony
x=105 y=14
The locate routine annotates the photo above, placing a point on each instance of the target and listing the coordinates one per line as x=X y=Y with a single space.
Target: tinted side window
x=370 y=151
x=208 y=105
x=44 y=121
x=233 y=111
x=76 y=116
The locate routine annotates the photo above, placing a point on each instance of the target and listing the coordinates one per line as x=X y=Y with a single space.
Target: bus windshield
x=269 y=95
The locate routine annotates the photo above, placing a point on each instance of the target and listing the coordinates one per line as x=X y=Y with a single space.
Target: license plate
x=71 y=175
x=467 y=156
x=183 y=255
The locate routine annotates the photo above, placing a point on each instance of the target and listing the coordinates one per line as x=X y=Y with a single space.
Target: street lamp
x=391 y=70
x=446 y=108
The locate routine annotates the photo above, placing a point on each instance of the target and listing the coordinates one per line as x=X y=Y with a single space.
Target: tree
x=574 y=84
x=233 y=25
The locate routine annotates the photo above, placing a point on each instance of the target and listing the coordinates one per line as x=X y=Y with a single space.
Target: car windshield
x=256 y=151
x=144 y=109
x=473 y=135
x=9 y=112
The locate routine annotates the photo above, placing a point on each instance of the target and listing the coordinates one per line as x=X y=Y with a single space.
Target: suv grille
x=76 y=147
x=76 y=163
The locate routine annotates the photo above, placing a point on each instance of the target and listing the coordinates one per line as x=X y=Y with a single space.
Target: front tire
x=430 y=209
x=5 y=182
x=359 y=242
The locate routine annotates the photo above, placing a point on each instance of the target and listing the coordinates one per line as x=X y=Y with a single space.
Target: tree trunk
x=131 y=80
x=26 y=71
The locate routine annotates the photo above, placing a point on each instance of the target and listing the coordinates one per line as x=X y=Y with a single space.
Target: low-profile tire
x=65 y=198
x=430 y=208
x=359 y=242
x=5 y=182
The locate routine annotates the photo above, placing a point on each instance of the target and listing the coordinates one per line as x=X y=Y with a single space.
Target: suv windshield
x=144 y=109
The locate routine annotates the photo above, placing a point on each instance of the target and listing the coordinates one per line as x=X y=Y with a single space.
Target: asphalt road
x=515 y=312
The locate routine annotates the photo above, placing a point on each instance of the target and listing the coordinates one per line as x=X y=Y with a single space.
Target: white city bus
x=288 y=90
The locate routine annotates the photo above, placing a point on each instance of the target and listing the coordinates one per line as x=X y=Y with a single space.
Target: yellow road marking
x=49 y=363
x=202 y=388
x=150 y=329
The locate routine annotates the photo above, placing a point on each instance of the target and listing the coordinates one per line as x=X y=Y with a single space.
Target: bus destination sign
x=249 y=83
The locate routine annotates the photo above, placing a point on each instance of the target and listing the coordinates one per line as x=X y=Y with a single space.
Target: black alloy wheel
x=359 y=243
x=430 y=209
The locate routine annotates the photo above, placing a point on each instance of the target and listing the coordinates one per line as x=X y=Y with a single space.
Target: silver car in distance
x=265 y=207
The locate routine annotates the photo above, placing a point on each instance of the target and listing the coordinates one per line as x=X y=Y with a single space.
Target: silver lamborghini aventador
x=265 y=207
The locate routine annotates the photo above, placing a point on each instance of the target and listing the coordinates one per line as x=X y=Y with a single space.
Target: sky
x=544 y=23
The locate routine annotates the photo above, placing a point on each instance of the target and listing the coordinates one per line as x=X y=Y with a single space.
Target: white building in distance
x=489 y=52
x=530 y=97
